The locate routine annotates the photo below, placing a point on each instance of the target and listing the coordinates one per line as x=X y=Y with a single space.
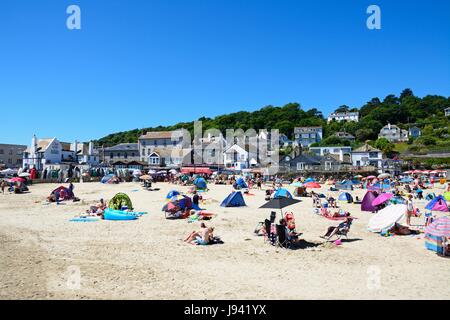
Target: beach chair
x=341 y=230
x=282 y=239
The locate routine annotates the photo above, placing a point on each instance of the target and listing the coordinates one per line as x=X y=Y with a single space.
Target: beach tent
x=387 y=218
x=241 y=183
x=119 y=201
x=366 y=204
x=345 y=185
x=310 y=180
x=447 y=196
x=107 y=178
x=282 y=193
x=234 y=199
x=435 y=232
x=183 y=202
x=437 y=204
x=312 y=185
x=171 y=194
x=200 y=183
x=64 y=193
x=406 y=180
x=345 y=197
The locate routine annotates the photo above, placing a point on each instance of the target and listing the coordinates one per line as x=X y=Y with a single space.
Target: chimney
x=91 y=148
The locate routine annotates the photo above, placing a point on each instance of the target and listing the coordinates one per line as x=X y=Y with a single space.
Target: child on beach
x=3 y=186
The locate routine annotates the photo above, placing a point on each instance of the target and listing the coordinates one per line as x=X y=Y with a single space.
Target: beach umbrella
x=358 y=176
x=151 y=172
x=145 y=177
x=17 y=179
x=384 y=175
x=137 y=172
x=312 y=185
x=173 y=171
x=382 y=198
x=439 y=227
x=417 y=171
x=279 y=203
x=371 y=177
x=8 y=171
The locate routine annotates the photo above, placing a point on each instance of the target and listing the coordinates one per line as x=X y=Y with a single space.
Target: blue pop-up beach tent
x=282 y=193
x=200 y=183
x=234 y=199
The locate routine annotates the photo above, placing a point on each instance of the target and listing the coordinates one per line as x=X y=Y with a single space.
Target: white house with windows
x=150 y=141
x=167 y=158
x=344 y=116
x=340 y=153
x=393 y=133
x=238 y=158
x=447 y=112
x=367 y=156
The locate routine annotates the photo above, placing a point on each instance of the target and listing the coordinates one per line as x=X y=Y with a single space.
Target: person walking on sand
x=3 y=186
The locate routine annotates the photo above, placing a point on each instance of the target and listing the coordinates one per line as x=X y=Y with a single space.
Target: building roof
x=341 y=134
x=157 y=135
x=123 y=147
x=307 y=159
x=42 y=144
x=366 y=148
x=307 y=129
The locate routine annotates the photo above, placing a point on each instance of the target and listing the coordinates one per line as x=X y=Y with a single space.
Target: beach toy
x=84 y=219
x=338 y=242
x=117 y=215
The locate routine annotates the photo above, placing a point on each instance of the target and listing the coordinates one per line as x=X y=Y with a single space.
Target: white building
x=367 y=156
x=344 y=116
x=342 y=154
x=393 y=133
x=51 y=151
x=238 y=158
x=150 y=141
x=447 y=112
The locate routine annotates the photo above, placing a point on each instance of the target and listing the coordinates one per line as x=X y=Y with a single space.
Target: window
x=10 y=152
x=300 y=166
x=112 y=155
x=2 y=151
x=154 y=160
x=125 y=155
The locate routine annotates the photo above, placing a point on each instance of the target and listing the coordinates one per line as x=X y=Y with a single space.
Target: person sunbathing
x=203 y=237
x=400 y=230
x=333 y=230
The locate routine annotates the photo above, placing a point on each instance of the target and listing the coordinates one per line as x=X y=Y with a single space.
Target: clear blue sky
x=143 y=63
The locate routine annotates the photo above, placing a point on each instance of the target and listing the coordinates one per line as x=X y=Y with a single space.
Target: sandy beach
x=41 y=251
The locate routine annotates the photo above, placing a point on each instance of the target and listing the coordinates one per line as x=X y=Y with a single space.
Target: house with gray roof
x=122 y=152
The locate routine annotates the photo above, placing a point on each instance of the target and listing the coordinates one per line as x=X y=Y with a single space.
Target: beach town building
x=345 y=136
x=308 y=163
x=238 y=157
x=11 y=155
x=165 y=148
x=344 y=116
x=123 y=152
x=51 y=151
x=447 y=112
x=342 y=154
x=367 y=155
x=393 y=133
x=414 y=132
x=305 y=136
